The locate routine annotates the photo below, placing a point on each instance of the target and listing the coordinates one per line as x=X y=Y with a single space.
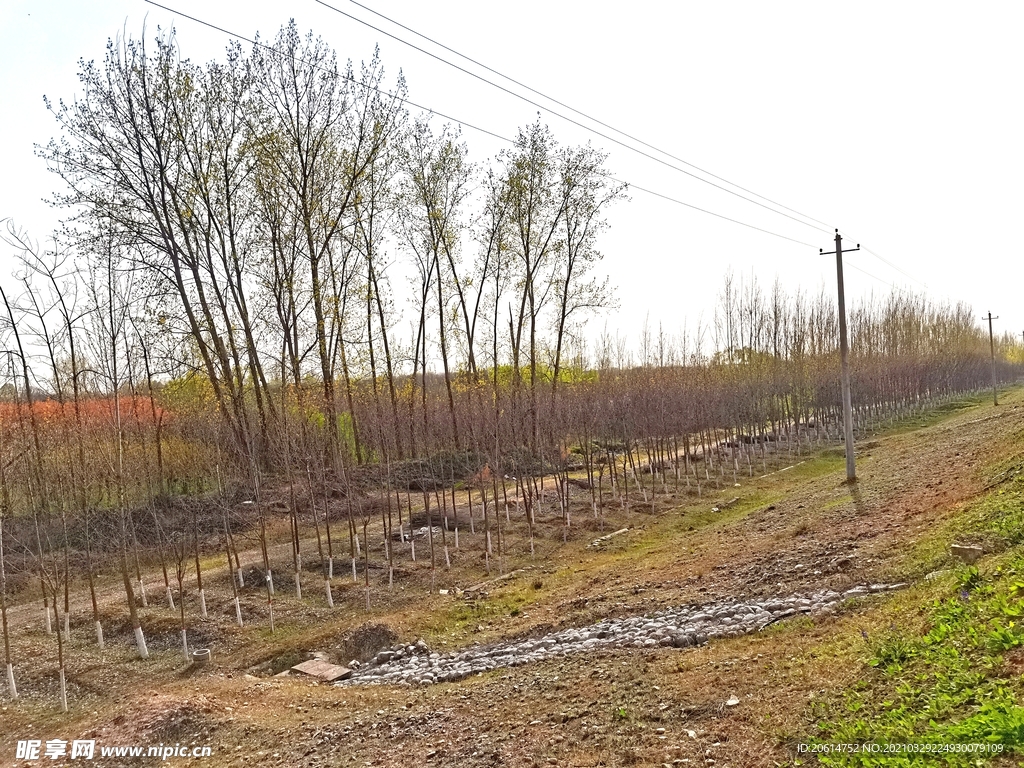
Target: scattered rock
x=680 y=627
x=732 y=702
x=603 y=539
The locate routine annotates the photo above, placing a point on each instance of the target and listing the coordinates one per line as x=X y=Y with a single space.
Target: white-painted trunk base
x=298 y=586
x=140 y=643
x=46 y=615
x=184 y=645
x=355 y=577
x=241 y=578
x=99 y=634
x=202 y=603
x=238 y=612
x=142 y=594
x=270 y=582
x=456 y=538
x=330 y=567
x=67 y=625
x=63 y=692
x=12 y=689
x=170 y=598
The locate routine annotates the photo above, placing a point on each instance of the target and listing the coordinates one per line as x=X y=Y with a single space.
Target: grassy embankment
x=941 y=663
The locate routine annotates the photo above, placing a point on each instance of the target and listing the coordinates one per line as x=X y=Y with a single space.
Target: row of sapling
x=631 y=423
x=317 y=181
x=324 y=219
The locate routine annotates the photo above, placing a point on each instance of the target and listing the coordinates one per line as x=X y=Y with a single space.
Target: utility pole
x=992 y=352
x=844 y=354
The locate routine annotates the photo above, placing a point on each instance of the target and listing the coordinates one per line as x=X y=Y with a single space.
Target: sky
x=899 y=123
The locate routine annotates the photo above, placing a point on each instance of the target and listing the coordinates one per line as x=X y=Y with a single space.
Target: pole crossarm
x=822 y=252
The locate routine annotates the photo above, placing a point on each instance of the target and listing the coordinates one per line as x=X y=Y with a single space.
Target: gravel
x=680 y=627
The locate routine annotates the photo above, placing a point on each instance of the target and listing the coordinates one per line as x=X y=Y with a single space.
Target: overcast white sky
x=900 y=123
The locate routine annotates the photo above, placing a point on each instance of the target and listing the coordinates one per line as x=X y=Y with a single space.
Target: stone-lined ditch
x=680 y=627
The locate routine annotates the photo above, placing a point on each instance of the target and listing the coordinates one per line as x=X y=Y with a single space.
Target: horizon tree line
x=223 y=313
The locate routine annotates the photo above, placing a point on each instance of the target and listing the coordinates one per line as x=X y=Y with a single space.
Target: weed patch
x=942 y=683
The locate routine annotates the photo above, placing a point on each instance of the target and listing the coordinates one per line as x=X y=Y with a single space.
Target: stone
x=680 y=627
x=966 y=553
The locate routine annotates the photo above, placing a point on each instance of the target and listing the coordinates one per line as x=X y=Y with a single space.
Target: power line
x=467 y=124
x=410 y=102
x=609 y=127
x=893 y=266
x=561 y=104
x=710 y=213
x=865 y=272
x=886 y=261
x=577 y=123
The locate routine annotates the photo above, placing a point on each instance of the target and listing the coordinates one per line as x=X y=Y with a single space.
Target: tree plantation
x=291 y=338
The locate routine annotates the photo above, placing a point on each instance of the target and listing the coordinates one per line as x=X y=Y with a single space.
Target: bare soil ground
x=796 y=530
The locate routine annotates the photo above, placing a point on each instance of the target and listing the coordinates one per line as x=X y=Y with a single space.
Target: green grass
x=942 y=662
x=940 y=680
x=932 y=416
x=995 y=521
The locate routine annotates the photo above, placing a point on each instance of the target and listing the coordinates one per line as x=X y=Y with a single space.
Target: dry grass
x=600 y=710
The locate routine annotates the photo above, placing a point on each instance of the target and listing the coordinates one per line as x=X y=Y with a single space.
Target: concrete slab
x=322 y=670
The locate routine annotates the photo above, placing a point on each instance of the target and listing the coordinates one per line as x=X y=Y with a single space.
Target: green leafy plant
x=941 y=686
x=969 y=578
x=892 y=649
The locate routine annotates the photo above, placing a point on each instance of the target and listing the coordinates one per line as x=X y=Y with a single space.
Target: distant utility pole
x=844 y=353
x=992 y=352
